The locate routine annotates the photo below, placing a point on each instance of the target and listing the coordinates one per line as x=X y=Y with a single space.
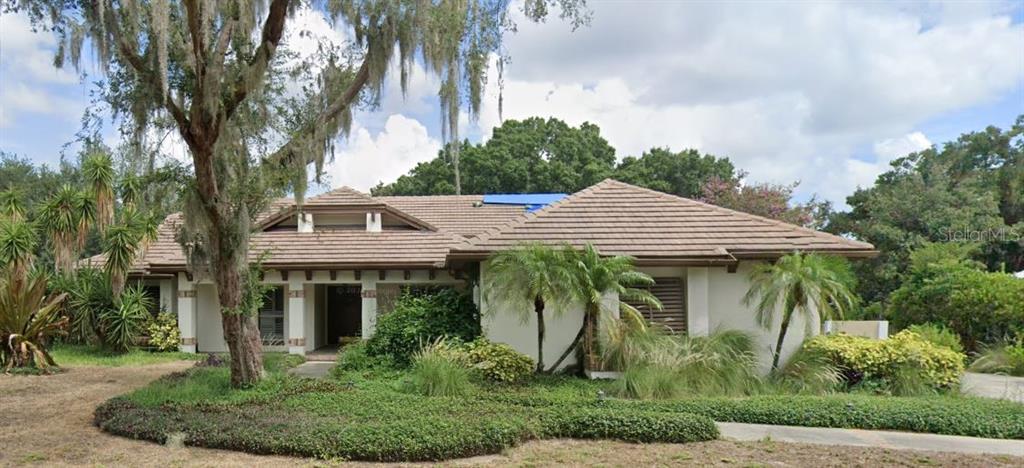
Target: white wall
x=727 y=312
x=517 y=327
x=210 y=331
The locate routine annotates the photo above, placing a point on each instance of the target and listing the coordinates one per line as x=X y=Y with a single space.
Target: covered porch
x=306 y=310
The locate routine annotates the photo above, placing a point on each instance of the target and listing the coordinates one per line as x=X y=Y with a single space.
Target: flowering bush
x=163 y=332
x=887 y=361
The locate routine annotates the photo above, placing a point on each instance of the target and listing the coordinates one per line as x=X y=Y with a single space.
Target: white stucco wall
x=516 y=327
x=727 y=312
x=209 y=330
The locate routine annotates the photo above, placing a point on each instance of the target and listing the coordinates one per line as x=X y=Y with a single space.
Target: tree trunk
x=589 y=324
x=782 y=337
x=228 y=237
x=538 y=308
x=241 y=331
x=570 y=349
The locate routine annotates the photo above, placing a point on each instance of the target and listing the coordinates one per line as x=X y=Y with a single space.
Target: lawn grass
x=375 y=415
x=87 y=355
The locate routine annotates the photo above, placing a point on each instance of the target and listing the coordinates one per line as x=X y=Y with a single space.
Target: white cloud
x=28 y=79
x=892 y=148
x=787 y=91
x=366 y=159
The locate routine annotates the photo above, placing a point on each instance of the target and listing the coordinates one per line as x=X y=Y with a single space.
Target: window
x=271 y=317
x=670 y=291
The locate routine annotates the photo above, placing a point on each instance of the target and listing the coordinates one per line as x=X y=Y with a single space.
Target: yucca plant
x=65 y=218
x=121 y=246
x=98 y=171
x=11 y=206
x=17 y=246
x=28 y=318
x=124 y=323
x=88 y=296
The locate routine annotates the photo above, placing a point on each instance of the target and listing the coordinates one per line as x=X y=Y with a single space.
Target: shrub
x=123 y=324
x=163 y=332
x=628 y=425
x=498 y=362
x=885 y=362
x=650 y=382
x=437 y=370
x=979 y=306
x=354 y=357
x=420 y=318
x=1002 y=358
x=938 y=335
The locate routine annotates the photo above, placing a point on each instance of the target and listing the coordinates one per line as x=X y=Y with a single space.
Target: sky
x=825 y=93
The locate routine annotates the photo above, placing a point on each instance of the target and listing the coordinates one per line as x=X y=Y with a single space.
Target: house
x=339 y=262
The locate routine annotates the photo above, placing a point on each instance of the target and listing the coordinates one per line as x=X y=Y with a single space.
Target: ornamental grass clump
x=440 y=370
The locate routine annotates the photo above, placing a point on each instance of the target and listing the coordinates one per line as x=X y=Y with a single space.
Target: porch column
x=187 y=318
x=296 y=316
x=369 y=280
x=698 y=322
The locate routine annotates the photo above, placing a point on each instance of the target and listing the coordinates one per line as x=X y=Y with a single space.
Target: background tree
x=683 y=173
x=534 y=275
x=773 y=201
x=970 y=190
x=208 y=66
x=532 y=155
x=805 y=284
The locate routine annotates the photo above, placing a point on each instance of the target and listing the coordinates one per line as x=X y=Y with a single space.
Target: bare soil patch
x=48 y=422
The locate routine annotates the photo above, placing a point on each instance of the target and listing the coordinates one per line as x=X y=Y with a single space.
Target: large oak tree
x=214 y=68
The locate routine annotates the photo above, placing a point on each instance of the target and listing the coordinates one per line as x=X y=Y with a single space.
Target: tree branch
x=286 y=154
x=150 y=78
x=273 y=29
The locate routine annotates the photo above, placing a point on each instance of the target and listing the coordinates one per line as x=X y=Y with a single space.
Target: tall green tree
x=66 y=218
x=967 y=191
x=531 y=155
x=594 y=278
x=531 y=278
x=805 y=284
x=681 y=173
x=211 y=67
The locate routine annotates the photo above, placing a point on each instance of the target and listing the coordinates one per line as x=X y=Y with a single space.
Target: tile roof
x=617 y=218
x=465 y=215
x=623 y=219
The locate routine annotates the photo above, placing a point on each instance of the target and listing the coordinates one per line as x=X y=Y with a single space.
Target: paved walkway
x=312 y=369
x=993 y=386
x=862 y=438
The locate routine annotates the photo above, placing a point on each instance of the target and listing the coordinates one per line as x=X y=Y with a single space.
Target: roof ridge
x=714 y=207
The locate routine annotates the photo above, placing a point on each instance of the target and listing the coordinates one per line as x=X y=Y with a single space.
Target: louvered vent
x=673 y=313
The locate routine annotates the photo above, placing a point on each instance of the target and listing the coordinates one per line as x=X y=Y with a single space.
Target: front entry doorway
x=344 y=314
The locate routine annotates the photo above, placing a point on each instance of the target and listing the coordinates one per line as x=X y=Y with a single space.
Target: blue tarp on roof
x=531 y=201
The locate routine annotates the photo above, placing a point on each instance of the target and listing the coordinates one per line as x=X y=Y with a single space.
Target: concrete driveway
x=993 y=386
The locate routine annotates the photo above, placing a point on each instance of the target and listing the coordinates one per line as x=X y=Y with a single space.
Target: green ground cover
x=376 y=415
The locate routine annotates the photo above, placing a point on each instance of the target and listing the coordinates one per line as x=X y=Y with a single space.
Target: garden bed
x=373 y=416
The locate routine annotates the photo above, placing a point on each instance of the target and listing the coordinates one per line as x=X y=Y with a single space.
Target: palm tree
x=121 y=244
x=531 y=274
x=98 y=171
x=799 y=283
x=594 y=278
